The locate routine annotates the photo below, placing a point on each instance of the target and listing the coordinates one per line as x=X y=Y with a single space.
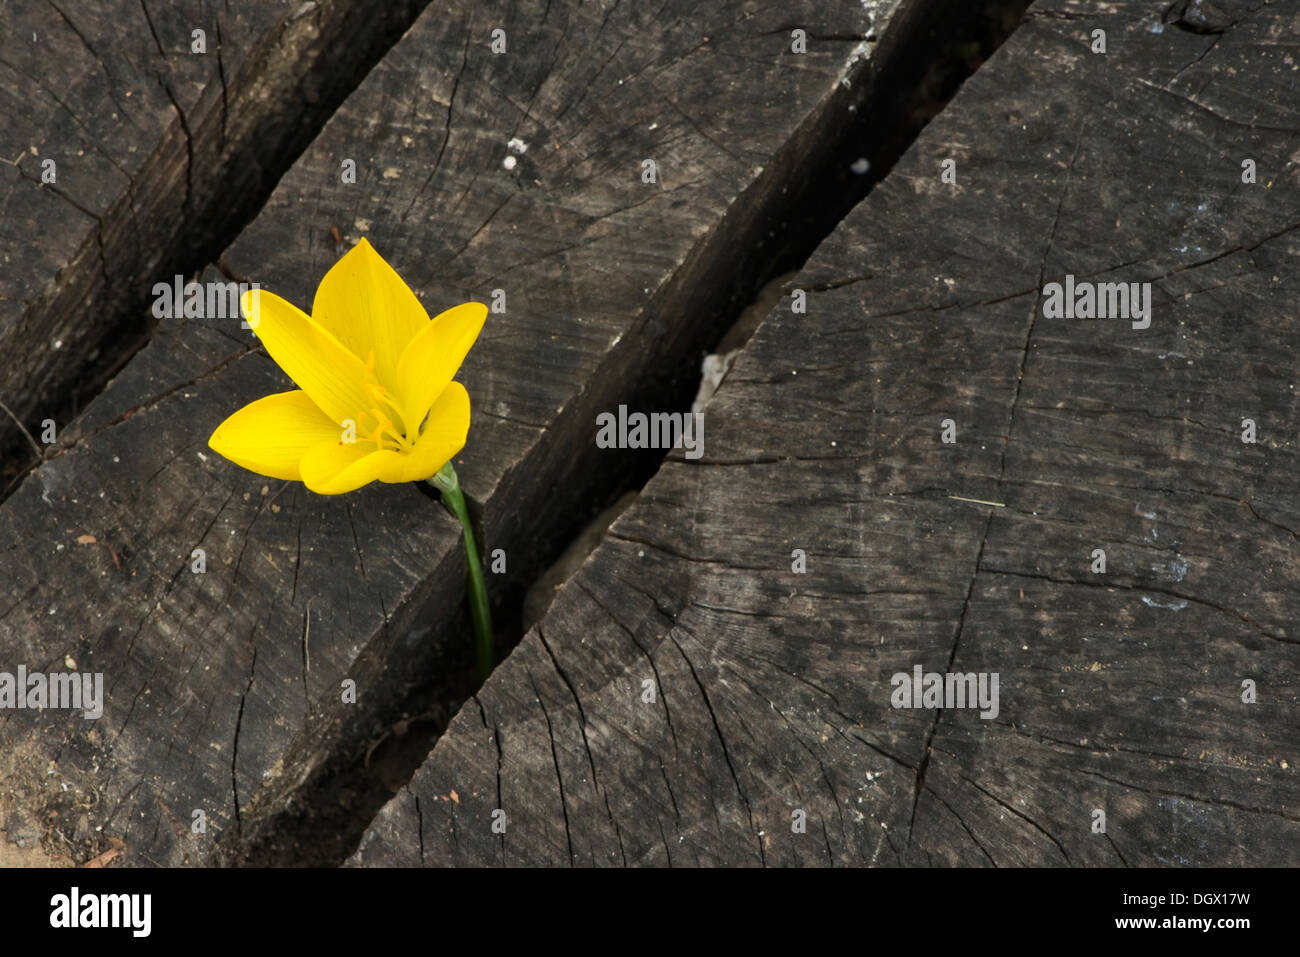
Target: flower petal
x=270 y=436
x=367 y=307
x=332 y=468
x=443 y=436
x=433 y=356
x=319 y=364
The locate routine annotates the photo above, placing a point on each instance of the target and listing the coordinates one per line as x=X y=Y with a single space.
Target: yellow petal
x=443 y=436
x=433 y=356
x=332 y=468
x=366 y=306
x=270 y=436
x=309 y=355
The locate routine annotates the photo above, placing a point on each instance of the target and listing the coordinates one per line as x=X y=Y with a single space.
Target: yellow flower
x=376 y=399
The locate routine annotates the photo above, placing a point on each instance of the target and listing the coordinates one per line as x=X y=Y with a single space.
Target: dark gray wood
x=1120 y=692
x=612 y=286
x=207 y=676
x=158 y=151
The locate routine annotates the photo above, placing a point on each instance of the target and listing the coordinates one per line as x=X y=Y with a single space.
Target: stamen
x=384 y=434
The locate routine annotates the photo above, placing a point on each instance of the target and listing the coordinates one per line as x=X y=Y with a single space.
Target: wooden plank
x=207 y=676
x=1119 y=692
x=156 y=149
x=613 y=287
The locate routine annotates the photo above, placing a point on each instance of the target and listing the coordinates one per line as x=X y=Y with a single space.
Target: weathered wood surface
x=156 y=149
x=612 y=286
x=1119 y=692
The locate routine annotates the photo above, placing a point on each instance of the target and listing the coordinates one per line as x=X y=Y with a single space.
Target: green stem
x=448 y=484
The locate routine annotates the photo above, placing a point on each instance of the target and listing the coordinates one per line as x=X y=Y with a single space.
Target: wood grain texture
x=612 y=285
x=155 y=147
x=207 y=676
x=1120 y=692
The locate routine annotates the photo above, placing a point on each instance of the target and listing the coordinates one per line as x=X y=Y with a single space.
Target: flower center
x=386 y=425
